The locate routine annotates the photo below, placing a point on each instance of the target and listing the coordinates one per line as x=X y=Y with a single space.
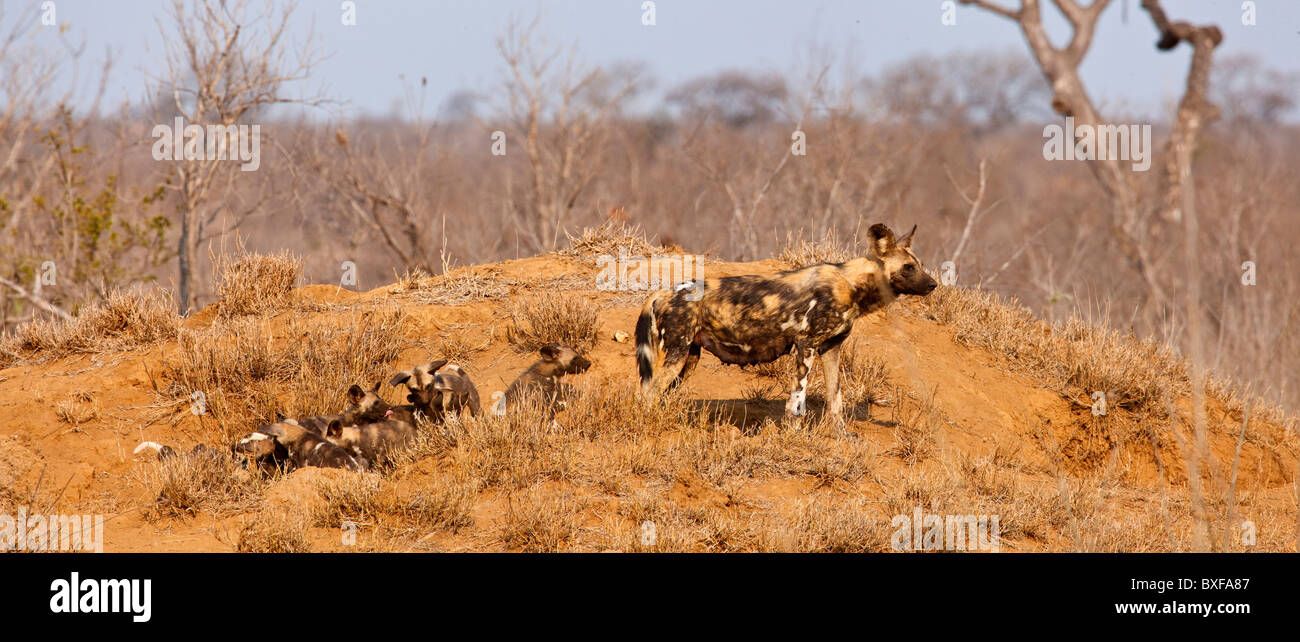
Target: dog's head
x=255 y=446
x=419 y=377
x=364 y=406
x=564 y=360
x=902 y=268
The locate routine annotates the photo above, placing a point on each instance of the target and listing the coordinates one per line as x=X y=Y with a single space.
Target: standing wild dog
x=754 y=319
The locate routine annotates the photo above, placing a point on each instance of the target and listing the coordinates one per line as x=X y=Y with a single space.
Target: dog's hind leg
x=803 y=360
x=831 y=368
x=692 y=358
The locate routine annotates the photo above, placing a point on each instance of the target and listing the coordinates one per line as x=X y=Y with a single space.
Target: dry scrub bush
x=125 y=320
x=538 y=523
x=185 y=484
x=822 y=525
x=272 y=532
x=517 y=450
x=247 y=375
x=445 y=503
x=608 y=238
x=353 y=498
x=255 y=284
x=800 y=253
x=564 y=318
x=453 y=288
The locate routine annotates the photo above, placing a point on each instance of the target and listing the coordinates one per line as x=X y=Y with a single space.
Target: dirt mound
x=939 y=421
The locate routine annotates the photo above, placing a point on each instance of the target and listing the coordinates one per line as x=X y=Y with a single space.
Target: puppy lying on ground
x=372 y=442
x=438 y=388
x=306 y=448
x=543 y=377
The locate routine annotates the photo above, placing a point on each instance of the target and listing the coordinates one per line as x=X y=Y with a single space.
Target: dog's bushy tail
x=647 y=342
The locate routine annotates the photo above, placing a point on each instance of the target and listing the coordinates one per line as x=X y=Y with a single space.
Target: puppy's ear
x=375 y=389
x=882 y=239
x=400 y=378
x=550 y=352
x=334 y=429
x=356 y=394
x=435 y=366
x=906 y=241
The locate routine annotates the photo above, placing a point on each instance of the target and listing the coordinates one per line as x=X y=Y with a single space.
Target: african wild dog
x=756 y=319
x=366 y=406
x=372 y=442
x=543 y=377
x=306 y=448
x=438 y=388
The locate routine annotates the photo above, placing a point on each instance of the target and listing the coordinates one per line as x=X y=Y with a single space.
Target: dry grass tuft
x=446 y=503
x=255 y=284
x=245 y=373
x=348 y=498
x=187 y=484
x=125 y=320
x=565 y=318
x=800 y=253
x=272 y=532
x=535 y=523
x=454 y=288
x=607 y=238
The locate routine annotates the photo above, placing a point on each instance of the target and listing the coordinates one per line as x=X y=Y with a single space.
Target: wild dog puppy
x=306 y=448
x=438 y=388
x=319 y=424
x=543 y=377
x=756 y=319
x=263 y=451
x=366 y=406
x=372 y=442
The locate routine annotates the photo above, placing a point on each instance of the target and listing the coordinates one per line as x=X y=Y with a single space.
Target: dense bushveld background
x=704 y=166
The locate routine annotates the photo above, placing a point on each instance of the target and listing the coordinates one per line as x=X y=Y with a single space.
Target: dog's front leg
x=803 y=360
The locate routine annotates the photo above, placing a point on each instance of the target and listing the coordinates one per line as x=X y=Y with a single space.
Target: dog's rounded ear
x=334 y=429
x=355 y=394
x=550 y=352
x=906 y=240
x=400 y=378
x=375 y=389
x=882 y=239
x=435 y=366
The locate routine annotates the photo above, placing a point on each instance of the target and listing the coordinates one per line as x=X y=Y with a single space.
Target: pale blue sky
x=451 y=42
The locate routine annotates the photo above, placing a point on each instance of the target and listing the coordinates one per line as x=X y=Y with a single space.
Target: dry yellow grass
x=246 y=373
x=564 y=318
x=123 y=321
x=251 y=283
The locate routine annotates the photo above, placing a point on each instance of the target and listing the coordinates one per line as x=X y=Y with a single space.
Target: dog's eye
x=909 y=268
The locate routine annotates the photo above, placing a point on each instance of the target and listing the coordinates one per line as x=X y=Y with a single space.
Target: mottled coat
x=756 y=319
